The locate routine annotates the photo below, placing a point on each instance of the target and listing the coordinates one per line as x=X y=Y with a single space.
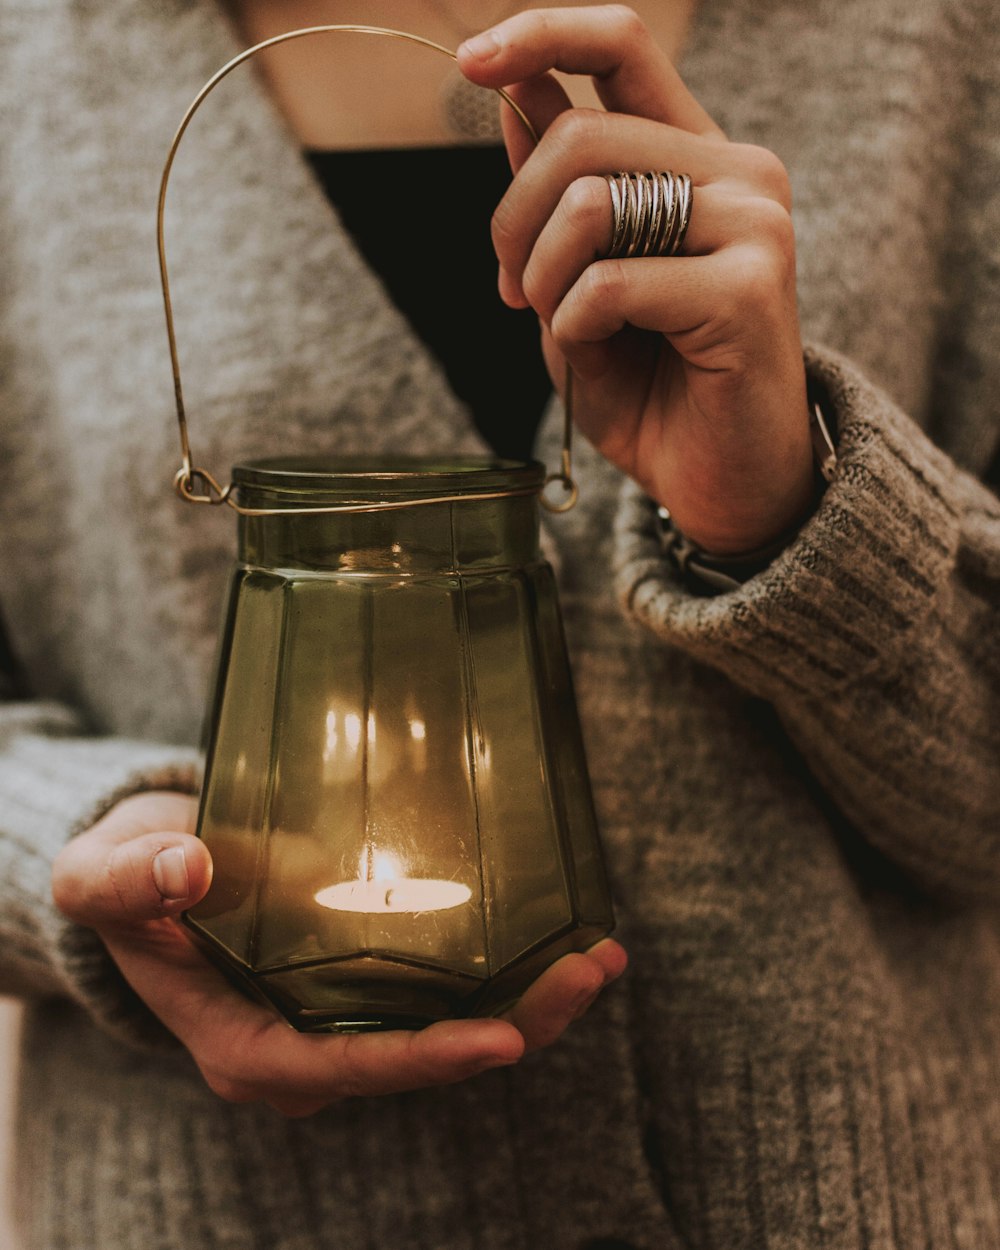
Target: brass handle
x=189 y=476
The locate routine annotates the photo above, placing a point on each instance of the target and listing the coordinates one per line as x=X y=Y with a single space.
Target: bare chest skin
x=359 y=91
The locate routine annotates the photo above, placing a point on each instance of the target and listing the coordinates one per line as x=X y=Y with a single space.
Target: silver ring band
x=651 y=213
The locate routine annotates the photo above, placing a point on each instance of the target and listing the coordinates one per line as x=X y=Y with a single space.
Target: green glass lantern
x=396 y=797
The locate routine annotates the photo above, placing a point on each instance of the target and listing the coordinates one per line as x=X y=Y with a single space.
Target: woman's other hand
x=688 y=369
x=140 y=866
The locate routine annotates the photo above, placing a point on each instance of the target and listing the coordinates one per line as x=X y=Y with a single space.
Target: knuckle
x=503 y=231
x=585 y=201
x=628 y=24
x=532 y=286
x=582 y=215
x=761 y=275
x=589 y=314
x=603 y=283
x=126 y=890
x=767 y=171
x=229 y=1088
x=95 y=885
x=598 y=292
x=576 y=129
x=122 y=884
x=772 y=224
x=535 y=25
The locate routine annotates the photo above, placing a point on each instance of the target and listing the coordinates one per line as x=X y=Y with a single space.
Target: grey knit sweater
x=797 y=783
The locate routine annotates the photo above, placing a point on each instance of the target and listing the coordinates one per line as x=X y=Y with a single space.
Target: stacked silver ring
x=651 y=213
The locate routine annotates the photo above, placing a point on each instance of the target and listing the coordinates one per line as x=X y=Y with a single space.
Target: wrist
x=713 y=571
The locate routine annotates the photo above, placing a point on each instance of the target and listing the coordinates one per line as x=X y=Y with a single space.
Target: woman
x=796 y=777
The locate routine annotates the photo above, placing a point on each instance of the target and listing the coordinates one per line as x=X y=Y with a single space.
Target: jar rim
x=360 y=476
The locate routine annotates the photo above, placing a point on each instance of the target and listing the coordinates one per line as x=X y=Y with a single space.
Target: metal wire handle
x=189 y=477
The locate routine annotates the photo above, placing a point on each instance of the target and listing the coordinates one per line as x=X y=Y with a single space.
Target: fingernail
x=483 y=47
x=170 y=873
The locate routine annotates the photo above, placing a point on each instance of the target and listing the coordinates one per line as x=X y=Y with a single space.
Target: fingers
x=286 y=1069
x=137 y=864
x=584 y=145
x=579 y=232
x=246 y=1053
x=652 y=123
x=691 y=301
x=612 y=958
x=542 y=99
x=631 y=72
x=585 y=142
x=564 y=992
x=693 y=304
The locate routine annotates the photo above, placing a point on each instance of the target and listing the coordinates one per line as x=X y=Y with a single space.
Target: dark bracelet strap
x=709 y=574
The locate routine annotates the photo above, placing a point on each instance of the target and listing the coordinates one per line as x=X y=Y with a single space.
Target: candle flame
x=382 y=887
x=378 y=866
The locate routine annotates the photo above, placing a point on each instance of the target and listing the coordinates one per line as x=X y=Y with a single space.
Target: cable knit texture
x=796 y=782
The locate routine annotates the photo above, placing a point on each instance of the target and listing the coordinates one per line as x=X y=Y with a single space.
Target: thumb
x=101 y=882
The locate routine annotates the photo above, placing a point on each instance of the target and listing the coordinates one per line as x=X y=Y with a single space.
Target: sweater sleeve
x=874 y=635
x=54 y=782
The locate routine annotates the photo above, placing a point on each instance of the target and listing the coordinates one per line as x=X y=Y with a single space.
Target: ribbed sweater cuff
x=53 y=784
x=840 y=603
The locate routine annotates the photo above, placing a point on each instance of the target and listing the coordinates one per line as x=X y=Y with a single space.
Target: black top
x=421 y=218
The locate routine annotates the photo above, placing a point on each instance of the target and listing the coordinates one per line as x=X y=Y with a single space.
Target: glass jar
x=396 y=796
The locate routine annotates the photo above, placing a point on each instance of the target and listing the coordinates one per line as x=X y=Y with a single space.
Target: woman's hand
x=140 y=866
x=689 y=372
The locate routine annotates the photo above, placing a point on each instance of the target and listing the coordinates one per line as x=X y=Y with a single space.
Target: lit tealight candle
x=383 y=889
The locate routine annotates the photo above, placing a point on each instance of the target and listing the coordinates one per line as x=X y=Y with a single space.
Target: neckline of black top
x=421 y=219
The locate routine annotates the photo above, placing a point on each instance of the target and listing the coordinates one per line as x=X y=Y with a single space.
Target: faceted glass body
x=396 y=798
